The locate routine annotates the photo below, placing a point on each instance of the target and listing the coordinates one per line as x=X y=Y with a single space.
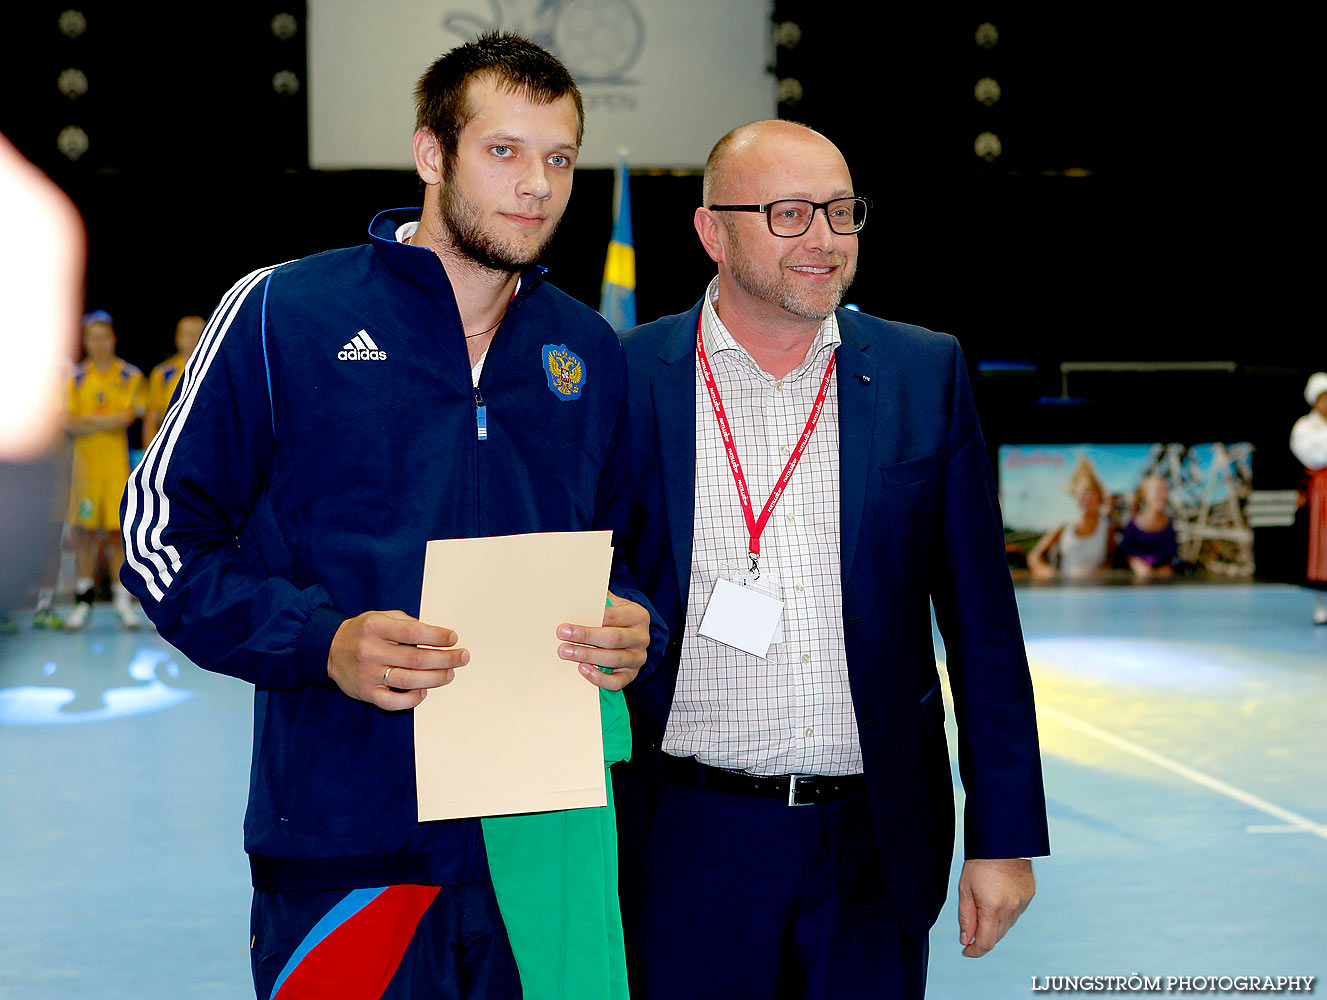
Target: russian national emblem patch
x=565 y=372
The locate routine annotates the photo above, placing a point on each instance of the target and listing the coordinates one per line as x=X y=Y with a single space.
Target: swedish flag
x=617 y=300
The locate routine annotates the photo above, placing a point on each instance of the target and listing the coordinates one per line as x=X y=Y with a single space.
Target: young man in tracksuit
x=338 y=412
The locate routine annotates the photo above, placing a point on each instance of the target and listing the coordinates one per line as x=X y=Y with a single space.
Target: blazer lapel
x=858 y=377
x=673 y=384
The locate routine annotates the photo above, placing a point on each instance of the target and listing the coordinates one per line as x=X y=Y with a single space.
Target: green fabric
x=555 y=877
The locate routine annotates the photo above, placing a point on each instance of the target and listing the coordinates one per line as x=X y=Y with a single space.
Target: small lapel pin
x=866 y=379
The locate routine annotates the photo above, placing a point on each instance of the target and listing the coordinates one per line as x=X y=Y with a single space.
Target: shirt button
x=809 y=731
x=799 y=588
x=792 y=518
x=779 y=386
x=785 y=450
x=806 y=657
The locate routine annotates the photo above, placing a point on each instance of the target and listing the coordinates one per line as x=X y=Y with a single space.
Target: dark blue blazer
x=920 y=523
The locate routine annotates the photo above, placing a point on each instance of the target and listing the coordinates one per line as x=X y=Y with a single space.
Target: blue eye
x=502 y=151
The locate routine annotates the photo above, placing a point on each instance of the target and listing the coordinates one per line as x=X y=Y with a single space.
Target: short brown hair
x=518 y=63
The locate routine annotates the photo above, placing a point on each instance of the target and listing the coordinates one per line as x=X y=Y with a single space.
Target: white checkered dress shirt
x=791 y=713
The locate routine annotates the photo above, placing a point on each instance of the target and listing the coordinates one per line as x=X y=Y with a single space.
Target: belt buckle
x=792 y=789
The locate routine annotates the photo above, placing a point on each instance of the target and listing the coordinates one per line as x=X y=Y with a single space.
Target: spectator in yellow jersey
x=166 y=376
x=105 y=397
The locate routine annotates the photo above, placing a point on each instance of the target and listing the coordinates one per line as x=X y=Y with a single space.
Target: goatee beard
x=780 y=292
x=460 y=219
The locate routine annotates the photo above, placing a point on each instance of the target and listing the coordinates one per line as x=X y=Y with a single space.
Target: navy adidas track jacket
x=326 y=428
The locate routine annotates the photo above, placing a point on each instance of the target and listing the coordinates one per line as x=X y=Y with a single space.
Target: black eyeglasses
x=792 y=217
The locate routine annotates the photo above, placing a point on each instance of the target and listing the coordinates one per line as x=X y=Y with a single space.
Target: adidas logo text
x=361 y=348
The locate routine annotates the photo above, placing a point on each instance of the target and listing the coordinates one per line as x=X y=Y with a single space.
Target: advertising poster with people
x=1101 y=512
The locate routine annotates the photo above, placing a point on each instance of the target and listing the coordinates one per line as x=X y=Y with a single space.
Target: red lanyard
x=753 y=526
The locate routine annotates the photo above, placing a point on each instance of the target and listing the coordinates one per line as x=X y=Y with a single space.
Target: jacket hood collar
x=420 y=265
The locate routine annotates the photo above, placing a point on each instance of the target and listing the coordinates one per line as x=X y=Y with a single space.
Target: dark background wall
x=1149 y=202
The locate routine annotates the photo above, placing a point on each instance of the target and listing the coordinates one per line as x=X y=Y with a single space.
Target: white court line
x=1295 y=820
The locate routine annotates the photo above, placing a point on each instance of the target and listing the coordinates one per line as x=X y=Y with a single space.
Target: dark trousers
x=395 y=943
x=750 y=898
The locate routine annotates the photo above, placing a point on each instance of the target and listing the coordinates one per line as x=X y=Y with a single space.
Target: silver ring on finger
x=386 y=674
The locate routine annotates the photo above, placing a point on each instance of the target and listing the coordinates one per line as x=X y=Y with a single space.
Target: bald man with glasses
x=808 y=481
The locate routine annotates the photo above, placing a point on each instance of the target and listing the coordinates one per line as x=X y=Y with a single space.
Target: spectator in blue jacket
x=787 y=815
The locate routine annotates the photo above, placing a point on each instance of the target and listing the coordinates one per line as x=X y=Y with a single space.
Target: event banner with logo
x=662 y=78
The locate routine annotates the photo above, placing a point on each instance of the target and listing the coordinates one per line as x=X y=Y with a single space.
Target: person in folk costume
x=1308 y=442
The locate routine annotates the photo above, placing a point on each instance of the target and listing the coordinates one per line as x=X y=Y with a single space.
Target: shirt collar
x=719 y=340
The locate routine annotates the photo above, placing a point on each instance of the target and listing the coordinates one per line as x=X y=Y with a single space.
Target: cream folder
x=518 y=728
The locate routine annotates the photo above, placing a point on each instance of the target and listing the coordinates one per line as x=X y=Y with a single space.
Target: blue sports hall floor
x=1183 y=733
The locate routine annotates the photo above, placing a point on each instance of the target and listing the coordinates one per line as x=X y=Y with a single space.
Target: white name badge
x=767 y=584
x=743 y=616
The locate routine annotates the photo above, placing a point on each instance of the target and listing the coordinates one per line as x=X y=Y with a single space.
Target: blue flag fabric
x=617 y=301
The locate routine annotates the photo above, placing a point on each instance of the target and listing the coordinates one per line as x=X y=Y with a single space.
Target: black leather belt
x=795 y=789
